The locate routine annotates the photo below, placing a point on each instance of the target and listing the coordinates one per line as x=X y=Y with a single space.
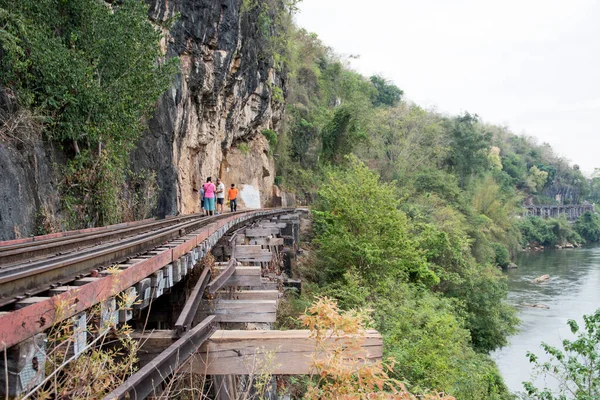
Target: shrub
x=359 y=225
x=536 y=230
x=93 y=72
x=271 y=136
x=588 y=227
x=502 y=258
x=243 y=147
x=345 y=374
x=575 y=366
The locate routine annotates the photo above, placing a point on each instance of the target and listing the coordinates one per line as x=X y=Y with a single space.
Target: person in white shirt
x=220 y=194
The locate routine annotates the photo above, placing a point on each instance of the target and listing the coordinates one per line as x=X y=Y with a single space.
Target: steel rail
x=6 y=270
x=25 y=322
x=11 y=269
x=36 y=277
x=53 y=246
x=56 y=235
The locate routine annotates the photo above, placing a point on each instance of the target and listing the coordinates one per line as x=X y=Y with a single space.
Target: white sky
x=533 y=65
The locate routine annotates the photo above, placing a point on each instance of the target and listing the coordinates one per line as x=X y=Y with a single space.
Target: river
x=572 y=291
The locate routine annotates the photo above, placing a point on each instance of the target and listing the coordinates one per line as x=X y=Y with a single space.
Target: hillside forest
x=414 y=211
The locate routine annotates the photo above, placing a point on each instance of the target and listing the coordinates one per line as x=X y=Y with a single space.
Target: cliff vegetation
x=89 y=72
x=414 y=211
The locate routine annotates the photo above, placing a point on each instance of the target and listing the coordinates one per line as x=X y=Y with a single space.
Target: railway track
x=60 y=278
x=88 y=251
x=27 y=308
x=34 y=248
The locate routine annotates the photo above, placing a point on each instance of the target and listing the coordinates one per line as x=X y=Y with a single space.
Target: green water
x=572 y=291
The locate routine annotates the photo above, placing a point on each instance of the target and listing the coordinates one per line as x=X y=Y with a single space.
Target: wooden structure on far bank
x=549 y=211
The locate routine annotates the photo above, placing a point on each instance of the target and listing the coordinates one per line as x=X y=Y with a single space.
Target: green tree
x=489 y=318
x=92 y=68
x=515 y=167
x=536 y=180
x=502 y=258
x=536 y=230
x=359 y=226
x=423 y=334
x=403 y=140
x=497 y=210
x=588 y=226
x=94 y=71
x=387 y=93
x=469 y=147
x=575 y=366
x=547 y=232
x=341 y=135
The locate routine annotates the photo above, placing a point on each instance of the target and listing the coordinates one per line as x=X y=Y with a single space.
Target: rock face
x=211 y=119
x=282 y=198
x=28 y=180
x=252 y=171
x=208 y=123
x=27 y=191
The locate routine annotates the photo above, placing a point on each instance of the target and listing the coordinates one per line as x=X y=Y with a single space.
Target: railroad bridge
x=186 y=312
x=550 y=211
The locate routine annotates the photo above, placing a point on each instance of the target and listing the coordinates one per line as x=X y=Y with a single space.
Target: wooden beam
x=246 y=250
x=265 y=284
x=185 y=320
x=289 y=352
x=225 y=274
x=242 y=310
x=253 y=253
x=268 y=241
x=153 y=342
x=249 y=295
x=240 y=352
x=267 y=257
x=272 y=224
x=261 y=232
x=245 y=276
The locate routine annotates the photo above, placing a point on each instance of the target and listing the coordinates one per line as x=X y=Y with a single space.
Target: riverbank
x=540 y=233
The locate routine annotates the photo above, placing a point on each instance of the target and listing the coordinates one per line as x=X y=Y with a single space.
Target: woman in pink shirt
x=209 y=196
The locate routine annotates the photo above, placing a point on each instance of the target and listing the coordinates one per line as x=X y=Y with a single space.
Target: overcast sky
x=532 y=65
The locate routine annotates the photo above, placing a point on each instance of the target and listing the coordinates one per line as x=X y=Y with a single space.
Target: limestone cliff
x=252 y=170
x=222 y=97
x=28 y=174
x=209 y=121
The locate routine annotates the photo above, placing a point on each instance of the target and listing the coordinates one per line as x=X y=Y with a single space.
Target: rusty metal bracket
x=146 y=380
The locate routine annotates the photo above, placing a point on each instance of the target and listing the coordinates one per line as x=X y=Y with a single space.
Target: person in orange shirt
x=232 y=194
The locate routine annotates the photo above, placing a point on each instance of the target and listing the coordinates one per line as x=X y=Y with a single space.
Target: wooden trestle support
x=223 y=329
x=241 y=301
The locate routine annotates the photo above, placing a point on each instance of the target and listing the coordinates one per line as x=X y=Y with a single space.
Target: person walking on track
x=220 y=194
x=209 y=196
x=232 y=196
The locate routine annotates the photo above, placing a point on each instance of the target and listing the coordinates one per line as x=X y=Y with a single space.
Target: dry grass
x=108 y=358
x=344 y=373
x=17 y=124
